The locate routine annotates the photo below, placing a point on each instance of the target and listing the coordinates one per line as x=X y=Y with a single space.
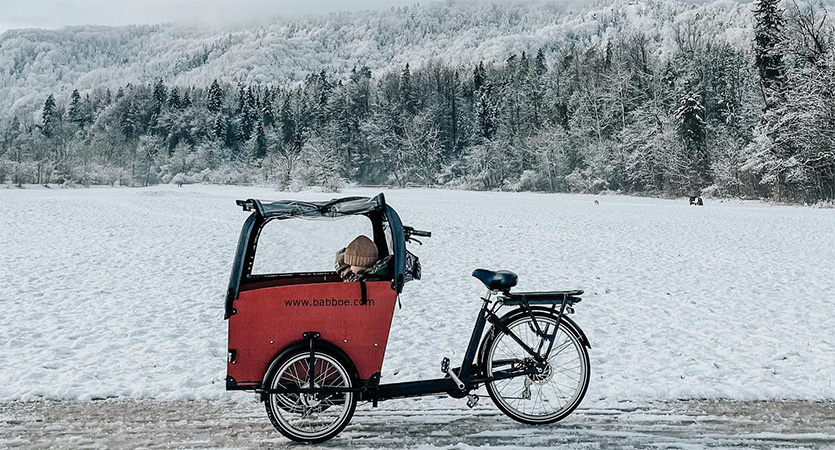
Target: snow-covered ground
x=419 y=425
x=109 y=292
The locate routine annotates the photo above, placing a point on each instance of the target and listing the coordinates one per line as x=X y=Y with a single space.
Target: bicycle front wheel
x=307 y=417
x=552 y=393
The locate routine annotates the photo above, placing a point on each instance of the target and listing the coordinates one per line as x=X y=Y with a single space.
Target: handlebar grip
x=412 y=232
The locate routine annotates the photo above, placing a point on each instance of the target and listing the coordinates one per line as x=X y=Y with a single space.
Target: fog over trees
x=651 y=97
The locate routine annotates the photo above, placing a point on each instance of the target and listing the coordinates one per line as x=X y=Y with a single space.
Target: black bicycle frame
x=468 y=373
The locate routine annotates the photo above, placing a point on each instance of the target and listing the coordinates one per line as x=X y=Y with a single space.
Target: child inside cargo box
x=358 y=261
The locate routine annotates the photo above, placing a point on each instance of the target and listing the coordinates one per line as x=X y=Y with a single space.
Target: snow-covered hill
x=35 y=63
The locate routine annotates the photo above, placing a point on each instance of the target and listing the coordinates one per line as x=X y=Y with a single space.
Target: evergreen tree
x=533 y=90
x=479 y=75
x=407 y=95
x=288 y=124
x=267 y=114
x=540 y=66
x=232 y=139
x=241 y=99
x=775 y=154
x=48 y=117
x=87 y=110
x=323 y=95
x=160 y=96
x=219 y=128
x=523 y=65
x=174 y=100
x=486 y=111
x=75 y=112
x=214 y=100
x=260 y=144
x=443 y=108
x=769 y=48
x=248 y=117
x=186 y=102
x=130 y=122
x=690 y=125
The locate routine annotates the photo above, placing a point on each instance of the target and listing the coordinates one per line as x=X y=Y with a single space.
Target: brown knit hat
x=361 y=252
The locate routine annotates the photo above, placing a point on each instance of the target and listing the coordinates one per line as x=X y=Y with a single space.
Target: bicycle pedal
x=445 y=365
x=472 y=400
x=451 y=373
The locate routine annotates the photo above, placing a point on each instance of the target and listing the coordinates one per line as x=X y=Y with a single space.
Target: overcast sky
x=59 y=13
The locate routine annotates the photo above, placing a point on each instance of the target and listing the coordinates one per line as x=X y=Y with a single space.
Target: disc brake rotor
x=542 y=376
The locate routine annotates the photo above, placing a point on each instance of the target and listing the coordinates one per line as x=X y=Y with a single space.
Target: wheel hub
x=542 y=375
x=311 y=400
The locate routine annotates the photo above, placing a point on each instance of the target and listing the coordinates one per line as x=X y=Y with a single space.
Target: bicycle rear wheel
x=553 y=392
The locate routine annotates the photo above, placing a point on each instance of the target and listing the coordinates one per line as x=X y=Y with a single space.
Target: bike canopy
x=375 y=208
x=288 y=209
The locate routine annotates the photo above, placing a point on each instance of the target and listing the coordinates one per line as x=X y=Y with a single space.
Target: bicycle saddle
x=502 y=280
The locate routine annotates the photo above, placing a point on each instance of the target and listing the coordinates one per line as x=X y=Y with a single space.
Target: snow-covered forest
x=655 y=97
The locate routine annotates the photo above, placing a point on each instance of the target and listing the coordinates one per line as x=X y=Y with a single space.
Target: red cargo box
x=269 y=319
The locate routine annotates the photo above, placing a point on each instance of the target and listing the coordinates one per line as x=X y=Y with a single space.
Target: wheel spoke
x=293 y=376
x=563 y=345
x=324 y=375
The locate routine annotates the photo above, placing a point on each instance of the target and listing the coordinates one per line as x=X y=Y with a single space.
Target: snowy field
x=110 y=292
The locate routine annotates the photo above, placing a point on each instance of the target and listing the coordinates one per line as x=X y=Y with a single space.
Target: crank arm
x=458 y=382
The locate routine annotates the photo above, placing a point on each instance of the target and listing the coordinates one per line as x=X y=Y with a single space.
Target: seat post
x=487 y=296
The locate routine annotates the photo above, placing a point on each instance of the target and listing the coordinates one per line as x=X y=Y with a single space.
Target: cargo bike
x=312 y=345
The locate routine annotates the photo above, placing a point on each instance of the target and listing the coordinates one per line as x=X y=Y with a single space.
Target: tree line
x=711 y=119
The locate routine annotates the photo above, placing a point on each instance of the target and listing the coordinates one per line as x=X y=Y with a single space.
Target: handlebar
x=409 y=231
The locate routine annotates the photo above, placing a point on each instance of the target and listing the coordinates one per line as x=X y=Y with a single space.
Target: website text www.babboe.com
x=328 y=301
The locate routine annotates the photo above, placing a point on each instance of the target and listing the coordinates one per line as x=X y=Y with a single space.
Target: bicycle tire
x=568 y=369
